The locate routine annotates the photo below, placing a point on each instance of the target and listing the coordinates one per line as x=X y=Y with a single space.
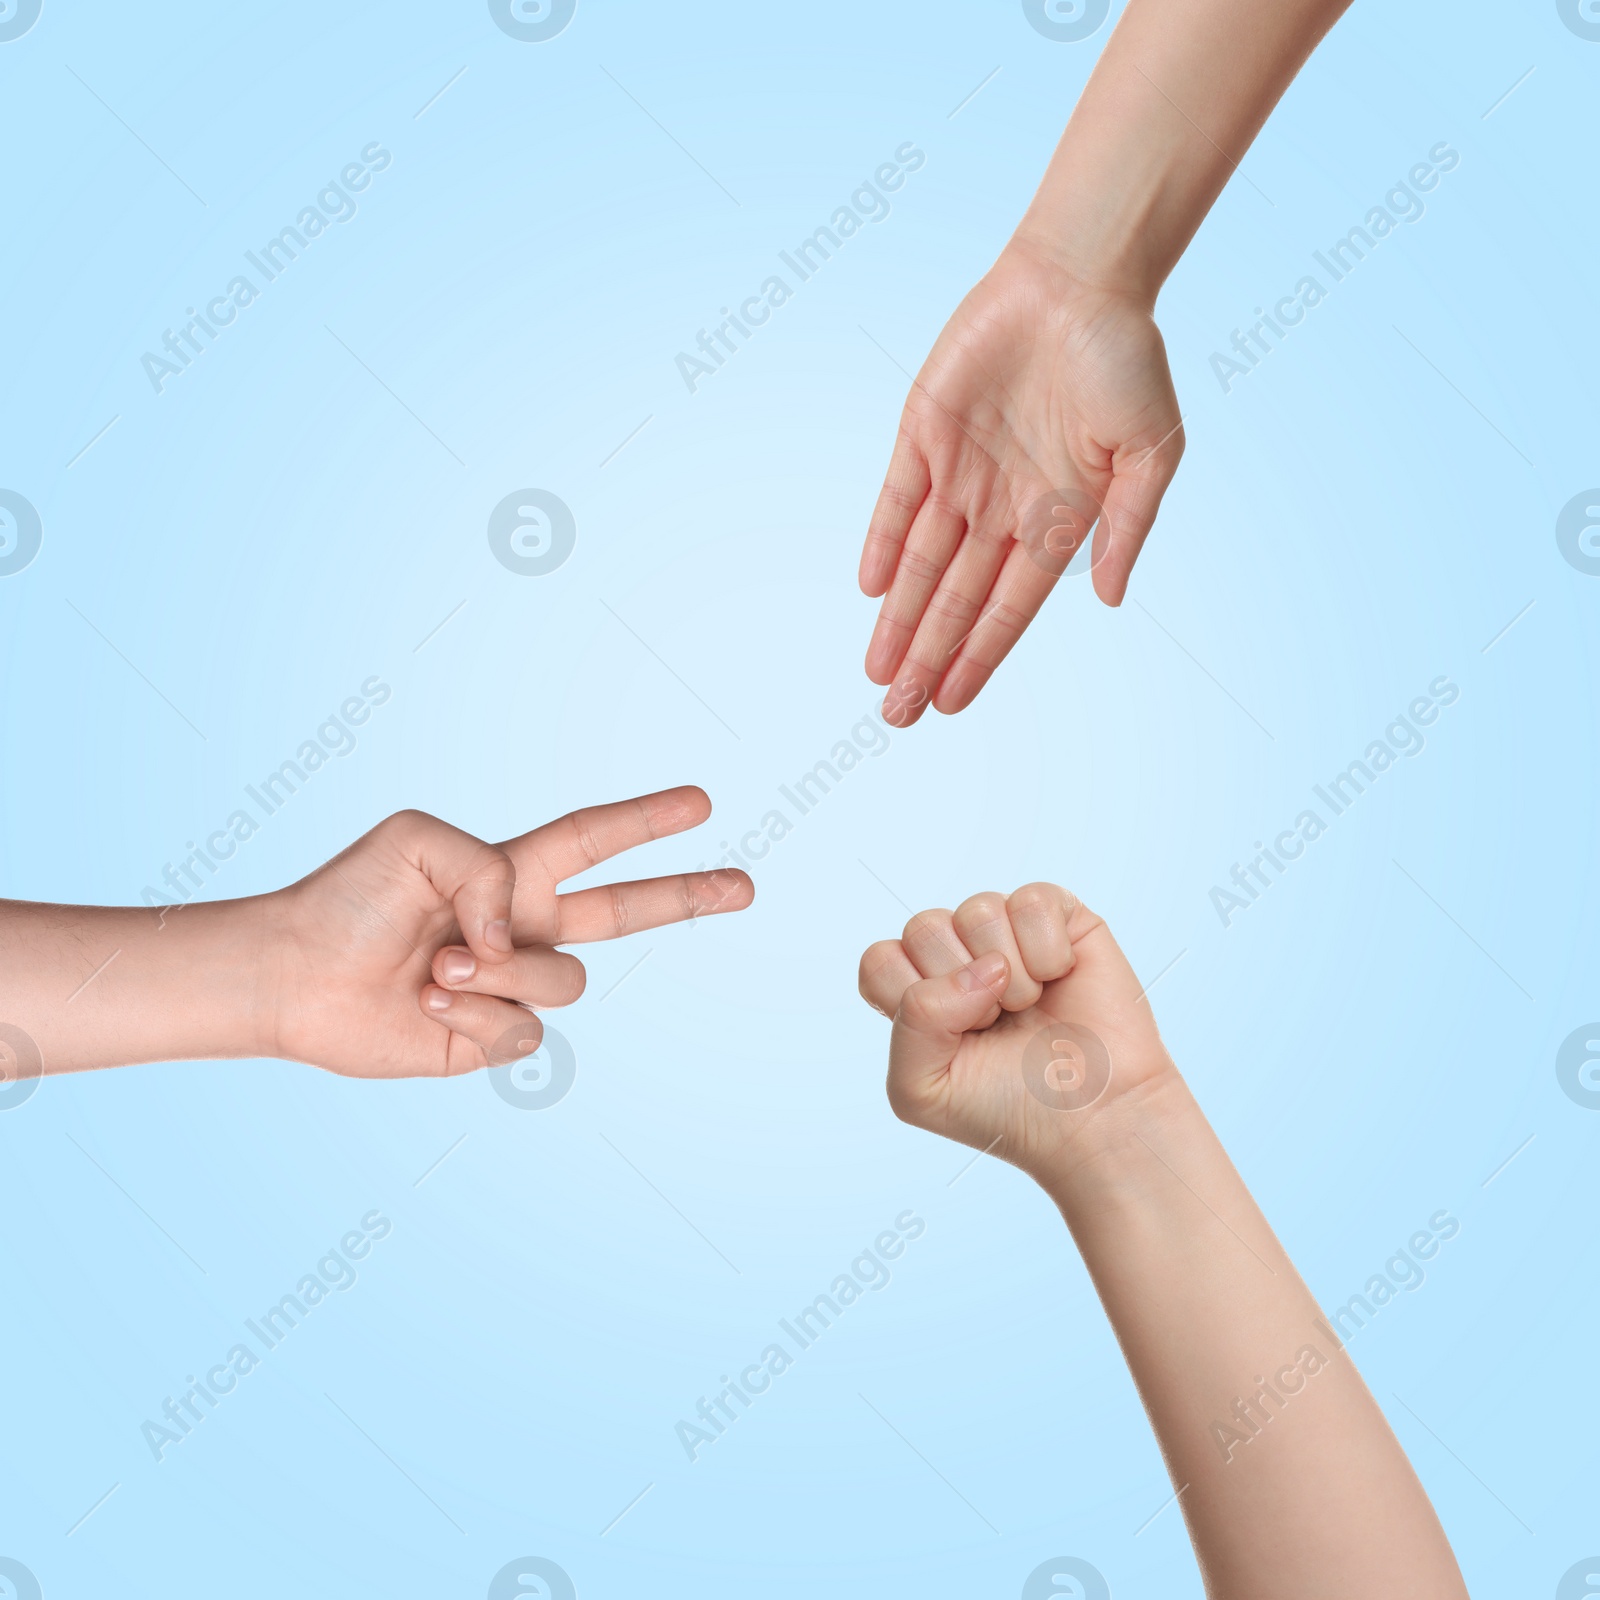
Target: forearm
x=1263 y=1420
x=1179 y=93
x=97 y=986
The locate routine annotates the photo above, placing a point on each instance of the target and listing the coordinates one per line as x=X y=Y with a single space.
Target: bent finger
x=477 y=878
x=534 y=975
x=983 y=925
x=934 y=946
x=933 y=1016
x=1041 y=915
x=886 y=973
x=500 y=1031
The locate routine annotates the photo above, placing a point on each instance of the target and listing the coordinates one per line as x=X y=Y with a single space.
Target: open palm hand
x=1045 y=410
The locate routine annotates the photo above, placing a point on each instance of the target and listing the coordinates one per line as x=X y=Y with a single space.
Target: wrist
x=1088 y=260
x=210 y=967
x=1109 y=1160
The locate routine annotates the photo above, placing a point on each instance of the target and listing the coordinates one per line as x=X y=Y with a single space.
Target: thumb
x=478 y=879
x=933 y=1016
x=1129 y=511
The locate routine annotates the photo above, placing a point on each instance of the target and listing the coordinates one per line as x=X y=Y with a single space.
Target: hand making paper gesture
x=1046 y=407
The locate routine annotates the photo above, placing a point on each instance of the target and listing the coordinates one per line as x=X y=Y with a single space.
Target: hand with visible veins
x=418 y=951
x=1046 y=408
x=1019 y=1028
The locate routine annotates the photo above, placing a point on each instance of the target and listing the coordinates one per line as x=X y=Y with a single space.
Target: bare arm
x=1046 y=407
x=1176 y=99
x=420 y=950
x=1019 y=1026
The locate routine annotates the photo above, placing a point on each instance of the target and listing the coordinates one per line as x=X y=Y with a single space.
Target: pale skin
x=1046 y=407
x=1308 y=1494
x=415 y=953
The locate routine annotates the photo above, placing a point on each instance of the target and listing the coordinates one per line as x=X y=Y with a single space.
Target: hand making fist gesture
x=1017 y=1020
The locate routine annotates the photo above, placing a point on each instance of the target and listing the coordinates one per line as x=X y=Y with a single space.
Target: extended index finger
x=584 y=838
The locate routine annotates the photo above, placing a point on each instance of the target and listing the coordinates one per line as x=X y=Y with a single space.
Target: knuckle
x=583 y=832
x=1038 y=897
x=491 y=862
x=896 y=502
x=918 y=567
x=875 y=960
x=941 y=504
x=406 y=823
x=952 y=607
x=1004 y=618
x=994 y=531
x=981 y=911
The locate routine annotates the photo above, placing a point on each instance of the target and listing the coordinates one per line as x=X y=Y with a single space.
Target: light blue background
x=1360 y=515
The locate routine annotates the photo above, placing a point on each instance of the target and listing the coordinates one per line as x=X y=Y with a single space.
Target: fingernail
x=457 y=965
x=438 y=1001
x=497 y=934
x=984 y=973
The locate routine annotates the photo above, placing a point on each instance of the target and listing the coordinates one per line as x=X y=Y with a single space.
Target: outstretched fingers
x=905 y=487
x=1019 y=591
x=615 y=909
x=935 y=536
x=584 y=838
